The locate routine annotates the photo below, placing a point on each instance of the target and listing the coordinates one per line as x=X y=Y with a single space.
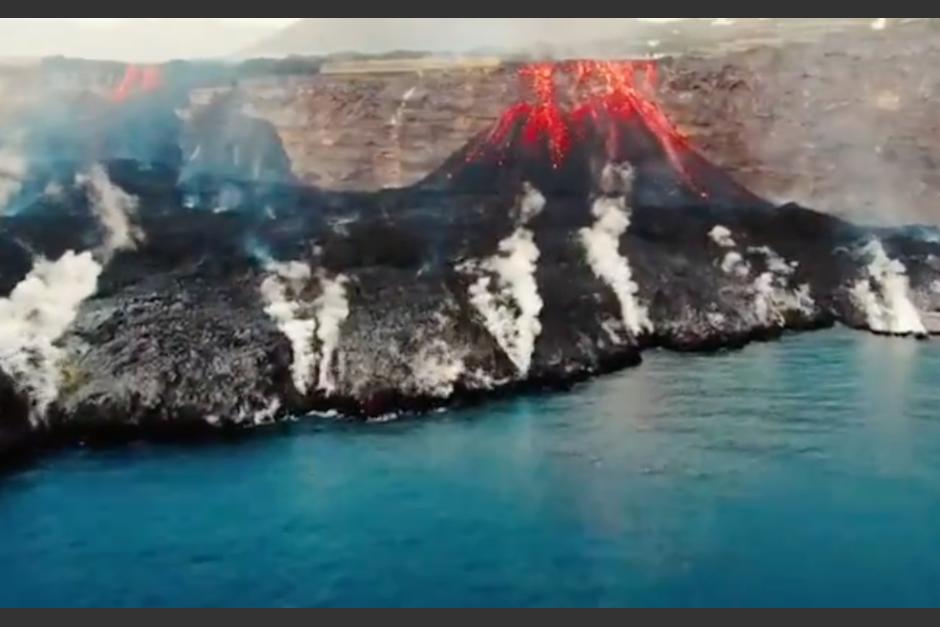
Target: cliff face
x=190 y=258
x=374 y=130
x=850 y=123
x=180 y=281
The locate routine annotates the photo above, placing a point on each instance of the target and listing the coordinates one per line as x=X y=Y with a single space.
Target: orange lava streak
x=622 y=94
x=137 y=79
x=545 y=117
x=617 y=89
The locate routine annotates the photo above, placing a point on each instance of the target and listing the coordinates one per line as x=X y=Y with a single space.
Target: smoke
x=775 y=263
x=35 y=315
x=602 y=244
x=722 y=236
x=114 y=208
x=307 y=323
x=847 y=124
x=882 y=294
x=294 y=318
x=332 y=309
x=507 y=295
x=13 y=167
x=9 y=188
x=734 y=263
x=229 y=198
x=437 y=368
x=511 y=313
x=253 y=416
x=774 y=297
x=771 y=291
x=41 y=307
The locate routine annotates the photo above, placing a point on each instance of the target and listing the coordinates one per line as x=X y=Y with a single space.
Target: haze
x=160 y=39
x=133 y=39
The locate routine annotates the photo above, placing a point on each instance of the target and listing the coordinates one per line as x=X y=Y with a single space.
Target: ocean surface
x=800 y=472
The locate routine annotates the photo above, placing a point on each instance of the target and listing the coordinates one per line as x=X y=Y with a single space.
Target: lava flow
x=542 y=119
x=545 y=117
x=615 y=90
x=137 y=79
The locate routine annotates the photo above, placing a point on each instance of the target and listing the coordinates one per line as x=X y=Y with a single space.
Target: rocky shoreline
x=150 y=298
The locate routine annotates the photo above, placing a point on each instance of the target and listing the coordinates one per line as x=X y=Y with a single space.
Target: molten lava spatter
x=617 y=87
x=613 y=90
x=137 y=79
x=545 y=116
x=541 y=119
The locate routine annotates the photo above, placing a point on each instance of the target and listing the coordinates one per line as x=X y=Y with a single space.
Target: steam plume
x=13 y=168
x=307 y=323
x=883 y=295
x=114 y=208
x=507 y=294
x=602 y=244
x=36 y=314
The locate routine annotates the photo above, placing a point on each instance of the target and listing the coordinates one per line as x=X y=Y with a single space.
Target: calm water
x=803 y=472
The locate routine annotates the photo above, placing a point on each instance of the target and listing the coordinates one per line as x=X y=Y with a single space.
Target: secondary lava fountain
x=137 y=79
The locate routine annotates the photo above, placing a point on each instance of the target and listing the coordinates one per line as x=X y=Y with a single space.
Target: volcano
x=580 y=230
x=579 y=116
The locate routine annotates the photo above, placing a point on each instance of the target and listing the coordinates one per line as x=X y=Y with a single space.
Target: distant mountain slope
x=540 y=36
x=380 y=35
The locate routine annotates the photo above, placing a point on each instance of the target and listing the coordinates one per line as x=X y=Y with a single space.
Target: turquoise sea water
x=802 y=472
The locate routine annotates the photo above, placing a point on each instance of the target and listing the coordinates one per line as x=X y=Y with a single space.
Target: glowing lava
x=602 y=91
x=545 y=116
x=623 y=89
x=137 y=79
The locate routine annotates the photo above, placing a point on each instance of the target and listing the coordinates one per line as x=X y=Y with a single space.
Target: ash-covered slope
x=560 y=244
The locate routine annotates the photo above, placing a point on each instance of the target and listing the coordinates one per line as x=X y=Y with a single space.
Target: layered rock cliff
x=847 y=122
x=167 y=268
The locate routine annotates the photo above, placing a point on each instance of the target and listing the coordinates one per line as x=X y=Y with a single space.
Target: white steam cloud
x=114 y=208
x=13 y=167
x=602 y=243
x=507 y=294
x=246 y=415
x=721 y=235
x=307 y=323
x=437 y=369
x=773 y=296
x=293 y=317
x=734 y=263
x=36 y=314
x=332 y=309
x=41 y=307
x=883 y=294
